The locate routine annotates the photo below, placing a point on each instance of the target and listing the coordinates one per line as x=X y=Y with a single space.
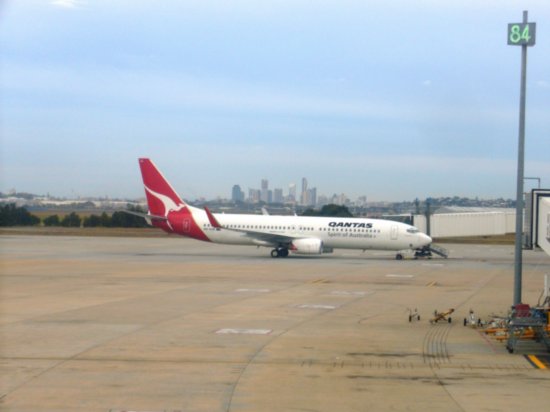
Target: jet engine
x=310 y=246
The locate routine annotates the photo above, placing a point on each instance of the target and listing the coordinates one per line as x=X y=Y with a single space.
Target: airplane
x=301 y=235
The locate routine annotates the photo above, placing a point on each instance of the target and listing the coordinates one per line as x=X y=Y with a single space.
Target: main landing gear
x=279 y=252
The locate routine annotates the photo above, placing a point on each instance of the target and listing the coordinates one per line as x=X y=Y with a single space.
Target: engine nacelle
x=310 y=246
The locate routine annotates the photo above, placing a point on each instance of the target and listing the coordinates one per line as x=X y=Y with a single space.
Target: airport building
x=452 y=222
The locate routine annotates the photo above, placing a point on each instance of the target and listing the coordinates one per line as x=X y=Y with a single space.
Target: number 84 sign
x=521 y=34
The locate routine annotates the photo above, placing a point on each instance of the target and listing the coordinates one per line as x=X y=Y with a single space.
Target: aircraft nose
x=425 y=240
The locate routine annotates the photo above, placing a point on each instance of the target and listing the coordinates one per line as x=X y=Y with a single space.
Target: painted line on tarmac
x=253 y=290
x=148 y=410
x=238 y=331
x=400 y=276
x=316 y=306
x=349 y=293
x=536 y=362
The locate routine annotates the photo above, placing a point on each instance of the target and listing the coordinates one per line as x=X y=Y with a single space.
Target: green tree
x=71 y=220
x=123 y=219
x=329 y=211
x=105 y=220
x=11 y=215
x=91 y=221
x=52 y=220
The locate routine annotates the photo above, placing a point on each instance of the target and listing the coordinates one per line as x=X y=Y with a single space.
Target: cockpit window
x=413 y=230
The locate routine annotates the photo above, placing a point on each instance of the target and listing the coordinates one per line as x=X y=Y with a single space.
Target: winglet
x=212 y=219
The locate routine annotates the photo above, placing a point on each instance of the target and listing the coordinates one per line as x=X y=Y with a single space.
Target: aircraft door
x=394 y=232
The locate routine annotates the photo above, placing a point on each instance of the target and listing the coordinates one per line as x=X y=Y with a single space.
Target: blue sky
x=389 y=99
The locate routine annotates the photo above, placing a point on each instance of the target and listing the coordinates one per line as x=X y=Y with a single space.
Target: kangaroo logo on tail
x=163 y=201
x=169 y=205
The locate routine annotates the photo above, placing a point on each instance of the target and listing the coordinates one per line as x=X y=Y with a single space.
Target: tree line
x=12 y=215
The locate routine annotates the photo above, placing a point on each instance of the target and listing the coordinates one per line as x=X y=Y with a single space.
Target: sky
x=393 y=100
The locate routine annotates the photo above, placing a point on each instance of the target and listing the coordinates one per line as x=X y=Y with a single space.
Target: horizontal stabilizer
x=146 y=216
x=212 y=219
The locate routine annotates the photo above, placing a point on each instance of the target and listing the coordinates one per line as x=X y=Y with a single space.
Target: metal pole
x=519 y=193
x=428 y=222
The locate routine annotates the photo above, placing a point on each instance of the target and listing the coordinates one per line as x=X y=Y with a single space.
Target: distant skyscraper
x=312 y=196
x=264 y=196
x=278 y=196
x=303 y=197
x=237 y=195
x=322 y=200
x=292 y=192
x=339 y=199
x=253 y=195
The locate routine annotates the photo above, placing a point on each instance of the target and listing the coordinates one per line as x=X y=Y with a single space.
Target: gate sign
x=522 y=34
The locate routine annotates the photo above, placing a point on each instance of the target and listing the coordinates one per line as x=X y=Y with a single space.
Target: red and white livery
x=283 y=234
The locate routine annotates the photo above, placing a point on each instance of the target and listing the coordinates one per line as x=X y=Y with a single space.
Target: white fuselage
x=346 y=233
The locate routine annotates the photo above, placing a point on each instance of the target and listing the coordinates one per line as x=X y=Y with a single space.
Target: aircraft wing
x=262 y=237
x=271 y=238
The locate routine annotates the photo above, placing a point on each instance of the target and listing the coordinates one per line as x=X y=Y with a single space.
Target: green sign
x=522 y=34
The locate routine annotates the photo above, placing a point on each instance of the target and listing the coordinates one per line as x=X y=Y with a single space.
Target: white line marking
x=316 y=306
x=399 y=276
x=348 y=293
x=230 y=331
x=253 y=290
x=433 y=264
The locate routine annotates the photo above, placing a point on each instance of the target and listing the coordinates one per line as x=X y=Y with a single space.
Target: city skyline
x=308 y=195
x=341 y=198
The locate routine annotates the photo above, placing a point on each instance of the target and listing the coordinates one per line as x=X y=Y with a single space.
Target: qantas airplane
x=283 y=234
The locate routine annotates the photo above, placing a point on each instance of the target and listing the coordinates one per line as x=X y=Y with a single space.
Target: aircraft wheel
x=450 y=320
x=274 y=253
x=283 y=252
x=399 y=256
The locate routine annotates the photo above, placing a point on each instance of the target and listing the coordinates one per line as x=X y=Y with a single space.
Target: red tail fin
x=161 y=198
x=164 y=201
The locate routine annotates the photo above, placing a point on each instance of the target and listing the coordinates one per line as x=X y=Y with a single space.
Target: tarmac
x=171 y=324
